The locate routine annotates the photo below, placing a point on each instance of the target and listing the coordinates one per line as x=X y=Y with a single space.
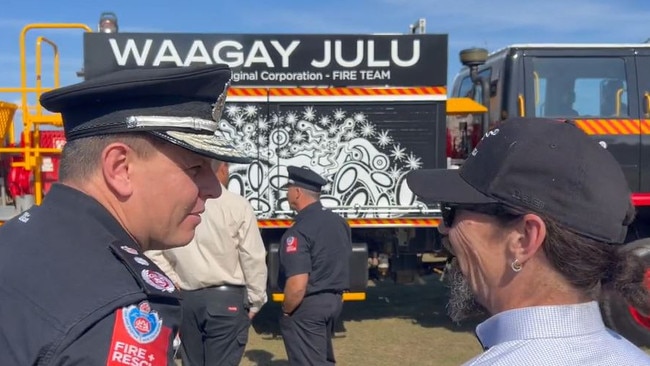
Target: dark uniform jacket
x=318 y=243
x=75 y=290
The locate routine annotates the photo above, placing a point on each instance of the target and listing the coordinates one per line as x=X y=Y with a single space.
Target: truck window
x=579 y=86
x=465 y=89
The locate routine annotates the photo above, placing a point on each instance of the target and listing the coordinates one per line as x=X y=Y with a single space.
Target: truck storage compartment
x=358 y=267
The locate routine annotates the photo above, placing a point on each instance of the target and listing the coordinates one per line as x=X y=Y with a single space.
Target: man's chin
x=462 y=303
x=170 y=243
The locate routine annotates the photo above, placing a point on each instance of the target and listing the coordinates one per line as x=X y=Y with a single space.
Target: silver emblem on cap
x=218 y=106
x=157 y=122
x=215 y=143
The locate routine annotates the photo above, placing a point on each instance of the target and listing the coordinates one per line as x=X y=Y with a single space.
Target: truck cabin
x=563 y=80
x=604 y=88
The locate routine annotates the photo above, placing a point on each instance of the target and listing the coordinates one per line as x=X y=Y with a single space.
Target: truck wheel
x=621 y=317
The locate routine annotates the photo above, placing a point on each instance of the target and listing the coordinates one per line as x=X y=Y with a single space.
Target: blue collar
x=540 y=322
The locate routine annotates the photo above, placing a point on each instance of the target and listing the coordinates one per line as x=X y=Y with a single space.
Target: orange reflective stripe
x=396 y=222
x=335 y=91
x=583 y=125
x=645 y=126
x=632 y=126
x=614 y=126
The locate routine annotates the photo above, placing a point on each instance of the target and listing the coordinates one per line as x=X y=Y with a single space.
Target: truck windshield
x=578 y=87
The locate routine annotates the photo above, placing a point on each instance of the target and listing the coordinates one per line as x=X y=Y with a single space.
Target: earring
x=516 y=265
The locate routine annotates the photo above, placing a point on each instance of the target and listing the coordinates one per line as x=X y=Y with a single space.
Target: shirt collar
x=540 y=322
x=87 y=208
x=316 y=206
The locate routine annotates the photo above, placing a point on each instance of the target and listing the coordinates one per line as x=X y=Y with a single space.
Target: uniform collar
x=312 y=207
x=540 y=322
x=87 y=208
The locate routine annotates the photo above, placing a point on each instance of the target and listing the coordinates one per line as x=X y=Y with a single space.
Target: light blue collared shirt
x=572 y=335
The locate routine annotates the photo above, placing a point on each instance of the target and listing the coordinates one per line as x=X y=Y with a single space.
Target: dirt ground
x=397 y=325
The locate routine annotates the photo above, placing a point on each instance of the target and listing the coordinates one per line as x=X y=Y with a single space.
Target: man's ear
x=532 y=232
x=224 y=173
x=116 y=168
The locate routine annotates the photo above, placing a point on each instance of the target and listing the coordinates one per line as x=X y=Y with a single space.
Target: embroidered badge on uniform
x=141 y=260
x=139 y=337
x=158 y=280
x=129 y=250
x=292 y=244
x=142 y=324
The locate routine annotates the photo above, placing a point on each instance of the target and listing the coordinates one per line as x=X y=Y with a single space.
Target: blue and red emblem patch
x=142 y=324
x=139 y=337
x=291 y=244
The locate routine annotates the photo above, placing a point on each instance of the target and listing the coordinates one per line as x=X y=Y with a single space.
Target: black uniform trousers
x=214 y=330
x=308 y=332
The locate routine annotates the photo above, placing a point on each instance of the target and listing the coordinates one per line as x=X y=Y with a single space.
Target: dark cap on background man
x=180 y=105
x=543 y=166
x=305 y=178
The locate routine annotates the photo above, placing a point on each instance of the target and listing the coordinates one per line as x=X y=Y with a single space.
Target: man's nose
x=209 y=186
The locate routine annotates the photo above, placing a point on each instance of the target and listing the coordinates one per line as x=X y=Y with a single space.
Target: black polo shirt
x=319 y=243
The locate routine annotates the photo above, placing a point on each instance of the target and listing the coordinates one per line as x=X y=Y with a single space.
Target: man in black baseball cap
x=533 y=218
x=135 y=174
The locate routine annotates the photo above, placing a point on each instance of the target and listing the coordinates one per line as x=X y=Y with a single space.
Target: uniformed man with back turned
x=314 y=271
x=135 y=173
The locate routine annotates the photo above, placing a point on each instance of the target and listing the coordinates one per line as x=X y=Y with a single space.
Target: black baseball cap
x=542 y=166
x=180 y=105
x=305 y=178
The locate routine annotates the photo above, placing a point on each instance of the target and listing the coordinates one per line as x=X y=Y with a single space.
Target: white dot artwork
x=364 y=165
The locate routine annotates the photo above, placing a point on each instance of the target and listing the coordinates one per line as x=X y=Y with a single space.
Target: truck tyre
x=621 y=317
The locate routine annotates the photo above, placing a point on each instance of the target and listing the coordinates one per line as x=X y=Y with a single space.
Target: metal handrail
x=33 y=117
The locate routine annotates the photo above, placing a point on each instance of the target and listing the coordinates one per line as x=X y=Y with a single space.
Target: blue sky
x=492 y=24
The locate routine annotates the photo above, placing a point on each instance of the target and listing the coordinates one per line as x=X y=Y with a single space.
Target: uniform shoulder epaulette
x=150 y=278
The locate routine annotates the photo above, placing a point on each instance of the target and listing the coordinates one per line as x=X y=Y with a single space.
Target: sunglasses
x=491 y=209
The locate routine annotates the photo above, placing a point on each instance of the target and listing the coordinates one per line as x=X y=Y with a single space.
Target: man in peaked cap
x=135 y=174
x=534 y=218
x=304 y=178
x=314 y=271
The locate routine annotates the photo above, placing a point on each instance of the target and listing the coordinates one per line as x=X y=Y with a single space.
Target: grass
x=397 y=325
x=404 y=325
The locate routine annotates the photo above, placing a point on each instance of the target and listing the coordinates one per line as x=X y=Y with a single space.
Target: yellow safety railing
x=33 y=117
x=7 y=111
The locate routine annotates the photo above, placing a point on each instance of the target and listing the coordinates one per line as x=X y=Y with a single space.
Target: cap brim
x=444 y=185
x=209 y=145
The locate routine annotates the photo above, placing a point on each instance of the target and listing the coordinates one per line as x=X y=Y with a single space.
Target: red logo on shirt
x=292 y=244
x=139 y=337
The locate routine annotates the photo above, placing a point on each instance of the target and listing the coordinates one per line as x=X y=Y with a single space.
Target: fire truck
x=362 y=111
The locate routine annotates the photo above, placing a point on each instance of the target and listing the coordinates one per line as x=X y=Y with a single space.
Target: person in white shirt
x=222 y=275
